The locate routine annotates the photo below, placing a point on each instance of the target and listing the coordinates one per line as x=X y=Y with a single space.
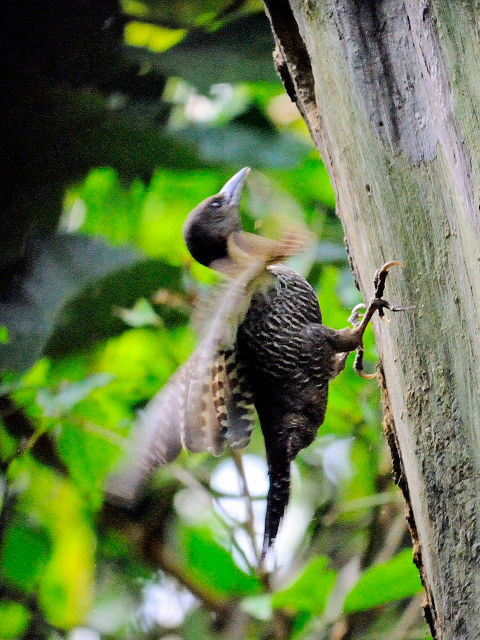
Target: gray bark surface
x=391 y=93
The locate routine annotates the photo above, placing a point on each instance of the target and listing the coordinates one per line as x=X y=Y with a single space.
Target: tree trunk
x=390 y=91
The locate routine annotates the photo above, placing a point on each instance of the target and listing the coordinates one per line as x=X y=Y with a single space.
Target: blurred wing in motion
x=208 y=402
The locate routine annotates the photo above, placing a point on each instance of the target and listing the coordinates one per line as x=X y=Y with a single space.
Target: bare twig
x=5 y=507
x=167 y=561
x=410 y=617
x=190 y=481
x=393 y=539
x=250 y=522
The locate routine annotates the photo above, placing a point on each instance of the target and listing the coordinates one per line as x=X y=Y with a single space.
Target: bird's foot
x=379 y=283
x=377 y=303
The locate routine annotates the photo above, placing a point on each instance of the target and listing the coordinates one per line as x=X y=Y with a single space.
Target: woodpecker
x=264 y=348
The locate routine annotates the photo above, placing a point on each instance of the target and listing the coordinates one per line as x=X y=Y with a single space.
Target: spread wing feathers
x=204 y=422
x=207 y=403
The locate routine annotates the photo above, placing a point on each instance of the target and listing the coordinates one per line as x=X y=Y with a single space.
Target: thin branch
x=250 y=522
x=167 y=561
x=180 y=474
x=410 y=617
x=19 y=425
x=365 y=502
x=393 y=539
x=7 y=502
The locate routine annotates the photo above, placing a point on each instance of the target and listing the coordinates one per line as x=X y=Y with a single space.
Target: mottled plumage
x=263 y=346
x=289 y=368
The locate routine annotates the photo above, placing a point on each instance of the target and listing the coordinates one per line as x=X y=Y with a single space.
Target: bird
x=263 y=350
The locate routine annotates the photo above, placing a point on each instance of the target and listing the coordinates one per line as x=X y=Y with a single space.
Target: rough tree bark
x=391 y=93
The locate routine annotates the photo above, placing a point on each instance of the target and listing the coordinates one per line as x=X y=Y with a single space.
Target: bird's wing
x=239 y=401
x=207 y=402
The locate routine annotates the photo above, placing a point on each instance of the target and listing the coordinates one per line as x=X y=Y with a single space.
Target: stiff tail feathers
x=277 y=499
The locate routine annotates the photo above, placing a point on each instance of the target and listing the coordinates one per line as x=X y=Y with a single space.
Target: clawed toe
x=381 y=275
x=395 y=308
x=391 y=307
x=354 y=318
x=358 y=365
x=379 y=283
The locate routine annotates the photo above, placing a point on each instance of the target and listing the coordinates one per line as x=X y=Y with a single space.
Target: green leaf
x=393 y=580
x=94 y=135
x=239 y=145
x=310 y=590
x=88 y=457
x=187 y=13
x=66 y=299
x=362 y=481
x=153 y=37
x=14 y=619
x=141 y=314
x=103 y=205
x=141 y=360
x=214 y=567
x=149 y=215
x=205 y=58
x=8 y=444
x=60 y=267
x=90 y=315
x=311 y=185
x=66 y=576
x=4 y=337
x=56 y=404
x=26 y=550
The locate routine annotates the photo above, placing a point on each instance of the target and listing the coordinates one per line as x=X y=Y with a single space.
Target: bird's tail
x=277 y=499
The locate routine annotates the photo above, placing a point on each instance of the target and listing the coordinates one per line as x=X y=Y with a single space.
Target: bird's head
x=208 y=226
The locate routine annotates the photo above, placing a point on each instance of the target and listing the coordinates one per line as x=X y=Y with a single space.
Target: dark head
x=208 y=226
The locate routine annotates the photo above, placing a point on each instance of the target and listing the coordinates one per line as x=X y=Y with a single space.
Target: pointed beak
x=232 y=189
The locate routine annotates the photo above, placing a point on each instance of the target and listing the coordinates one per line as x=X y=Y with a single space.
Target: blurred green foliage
x=119 y=119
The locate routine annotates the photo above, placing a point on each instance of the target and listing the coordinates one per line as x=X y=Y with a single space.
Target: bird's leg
x=377 y=303
x=354 y=320
x=346 y=340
